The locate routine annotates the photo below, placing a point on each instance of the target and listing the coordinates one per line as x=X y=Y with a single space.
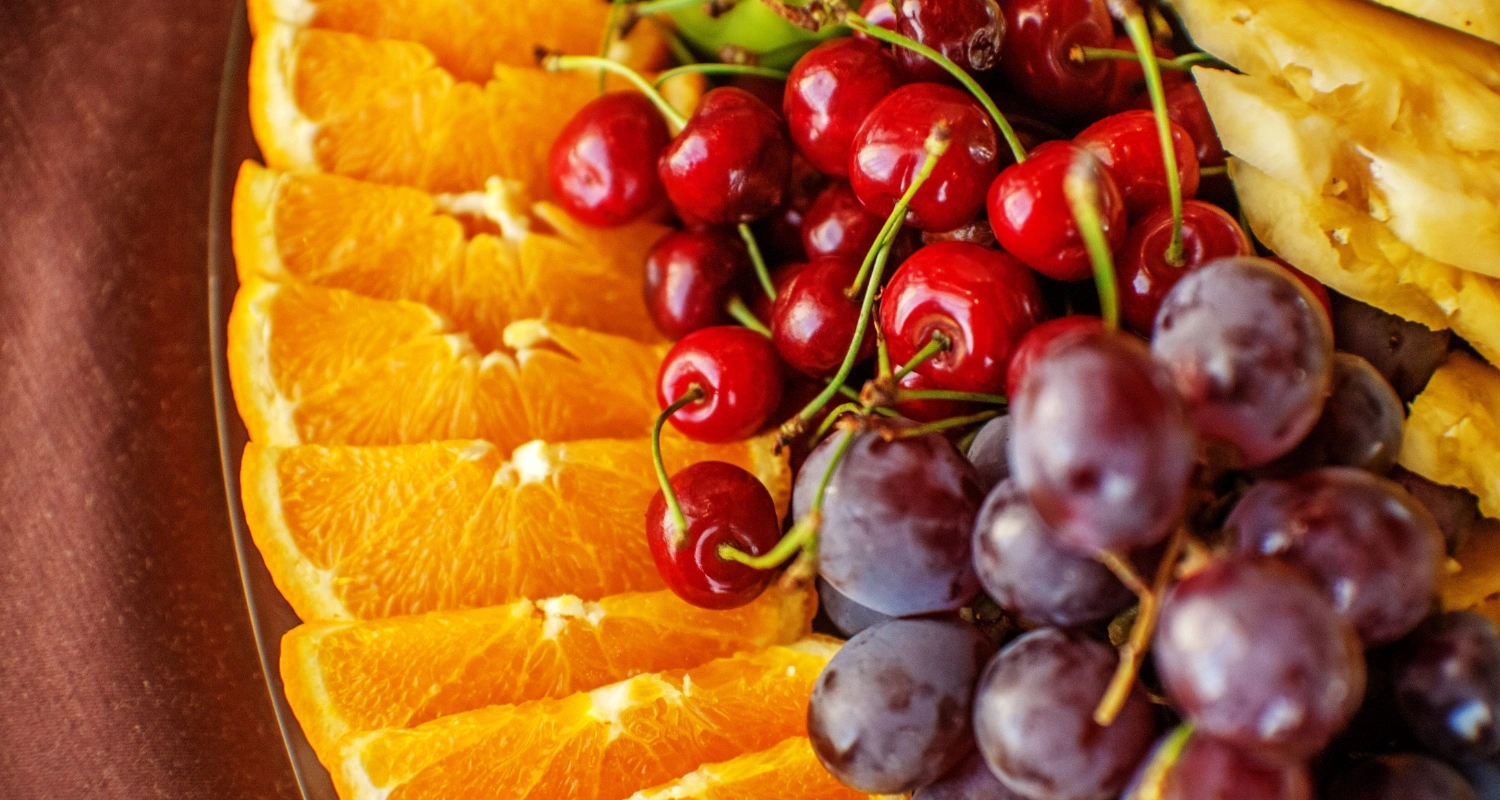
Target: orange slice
x=788 y=770
x=314 y=365
x=372 y=532
x=602 y=745
x=396 y=243
x=468 y=38
x=355 y=677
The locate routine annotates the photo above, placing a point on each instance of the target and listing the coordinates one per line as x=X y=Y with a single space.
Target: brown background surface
x=127 y=665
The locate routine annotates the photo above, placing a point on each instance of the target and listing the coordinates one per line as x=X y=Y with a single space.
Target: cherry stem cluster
x=1139 y=32
x=719 y=69
x=552 y=62
x=679 y=522
x=803 y=536
x=1082 y=189
x=1133 y=651
x=1183 y=63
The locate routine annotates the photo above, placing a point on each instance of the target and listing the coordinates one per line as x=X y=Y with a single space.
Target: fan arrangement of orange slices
x=448 y=384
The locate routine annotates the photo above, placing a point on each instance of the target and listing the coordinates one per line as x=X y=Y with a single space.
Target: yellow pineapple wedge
x=1477 y=17
x=1453 y=434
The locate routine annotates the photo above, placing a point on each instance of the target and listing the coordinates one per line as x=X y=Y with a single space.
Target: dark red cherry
x=779 y=234
x=982 y=300
x=1141 y=268
x=1128 y=145
x=762 y=306
x=1040 y=340
x=1040 y=35
x=838 y=225
x=829 y=93
x=690 y=277
x=1128 y=80
x=739 y=373
x=889 y=150
x=814 y=318
x=1185 y=107
x=603 y=164
x=968 y=32
x=1319 y=290
x=878 y=13
x=930 y=410
x=723 y=504
x=730 y=164
x=1033 y=220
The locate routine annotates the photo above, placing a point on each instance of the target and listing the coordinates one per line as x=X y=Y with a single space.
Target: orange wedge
x=602 y=745
x=396 y=243
x=314 y=365
x=788 y=770
x=355 y=677
x=372 y=532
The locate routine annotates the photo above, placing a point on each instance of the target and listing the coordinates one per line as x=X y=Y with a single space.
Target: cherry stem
x=834 y=415
x=1208 y=172
x=943 y=425
x=719 y=69
x=679 y=522
x=936 y=145
x=559 y=63
x=946 y=394
x=712 y=8
x=611 y=32
x=1155 y=773
x=1183 y=63
x=762 y=274
x=937 y=343
x=742 y=314
x=1139 y=32
x=1133 y=652
x=882 y=354
x=804 y=534
x=1082 y=191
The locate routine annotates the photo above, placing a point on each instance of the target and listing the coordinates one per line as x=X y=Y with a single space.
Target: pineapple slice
x=1453 y=432
x=1478 y=17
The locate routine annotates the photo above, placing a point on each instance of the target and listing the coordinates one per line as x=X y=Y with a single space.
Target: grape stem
x=1082 y=189
x=679 y=522
x=1208 y=172
x=1133 y=651
x=936 y=343
x=742 y=314
x=719 y=69
x=1155 y=773
x=762 y=274
x=552 y=62
x=1129 y=13
x=1183 y=63
x=804 y=534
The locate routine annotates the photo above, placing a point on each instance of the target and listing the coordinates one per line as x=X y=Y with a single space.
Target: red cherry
x=814 y=319
x=1318 y=289
x=690 y=277
x=1128 y=145
x=930 y=410
x=878 y=13
x=1185 y=107
x=982 y=300
x=968 y=32
x=730 y=164
x=829 y=93
x=1033 y=221
x=763 y=307
x=739 y=373
x=1141 y=268
x=780 y=233
x=723 y=504
x=889 y=150
x=603 y=164
x=1040 y=340
x=838 y=225
x=1128 y=80
x=1041 y=35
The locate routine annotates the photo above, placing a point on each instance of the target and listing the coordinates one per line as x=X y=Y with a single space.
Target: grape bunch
x=1107 y=502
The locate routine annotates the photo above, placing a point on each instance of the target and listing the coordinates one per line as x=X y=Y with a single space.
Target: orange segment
x=603 y=745
x=374 y=532
x=396 y=243
x=355 y=677
x=788 y=770
x=470 y=38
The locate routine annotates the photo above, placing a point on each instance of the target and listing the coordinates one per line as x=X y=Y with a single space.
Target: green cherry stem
x=762 y=273
x=834 y=415
x=804 y=534
x=1183 y=63
x=1207 y=172
x=742 y=314
x=719 y=69
x=1162 y=760
x=936 y=145
x=559 y=63
x=945 y=424
x=679 y=522
x=946 y=394
x=1136 y=27
x=713 y=8
x=882 y=355
x=1082 y=190
x=611 y=32
x=937 y=343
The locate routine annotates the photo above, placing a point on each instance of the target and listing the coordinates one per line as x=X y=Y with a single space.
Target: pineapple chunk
x=1478 y=17
x=1359 y=257
x=1453 y=432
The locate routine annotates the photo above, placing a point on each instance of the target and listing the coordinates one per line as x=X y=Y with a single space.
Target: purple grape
x=1208 y=769
x=1101 y=445
x=890 y=712
x=1484 y=777
x=1406 y=353
x=845 y=614
x=1027 y=572
x=1448 y=685
x=1251 y=352
x=971 y=780
x=1455 y=509
x=990 y=452
x=1034 y=719
x=1360 y=426
x=1402 y=777
x=1253 y=653
x=1376 y=552
x=898 y=522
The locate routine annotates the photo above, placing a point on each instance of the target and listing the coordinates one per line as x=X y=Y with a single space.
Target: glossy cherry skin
x=830 y=91
x=779 y=234
x=1128 y=145
x=982 y=300
x=761 y=305
x=1185 y=107
x=1033 y=221
x=1141 y=269
x=878 y=13
x=1040 y=35
x=691 y=276
x=968 y=32
x=1128 y=80
x=889 y=151
x=739 y=373
x=814 y=318
x=723 y=504
x=603 y=164
x=1040 y=340
x=730 y=164
x=838 y=225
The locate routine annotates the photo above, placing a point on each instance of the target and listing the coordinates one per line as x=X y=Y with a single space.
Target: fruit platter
x=943 y=399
